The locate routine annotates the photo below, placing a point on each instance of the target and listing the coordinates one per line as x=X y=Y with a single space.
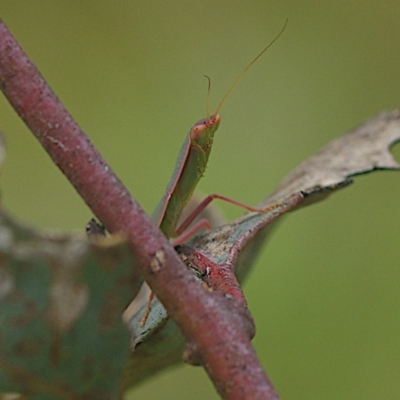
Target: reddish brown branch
x=204 y=318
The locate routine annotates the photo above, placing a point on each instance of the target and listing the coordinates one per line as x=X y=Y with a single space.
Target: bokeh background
x=325 y=293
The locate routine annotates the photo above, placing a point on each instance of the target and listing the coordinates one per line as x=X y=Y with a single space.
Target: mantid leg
x=183 y=233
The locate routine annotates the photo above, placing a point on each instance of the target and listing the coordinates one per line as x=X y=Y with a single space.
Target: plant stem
x=207 y=322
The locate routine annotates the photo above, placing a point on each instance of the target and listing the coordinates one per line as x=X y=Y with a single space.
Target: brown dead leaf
x=362 y=150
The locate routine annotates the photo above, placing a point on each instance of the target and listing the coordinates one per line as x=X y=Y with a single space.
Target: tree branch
x=222 y=344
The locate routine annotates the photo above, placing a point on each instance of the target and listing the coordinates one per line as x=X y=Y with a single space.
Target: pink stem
x=221 y=342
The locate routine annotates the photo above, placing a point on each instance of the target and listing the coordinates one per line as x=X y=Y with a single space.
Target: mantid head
x=204 y=129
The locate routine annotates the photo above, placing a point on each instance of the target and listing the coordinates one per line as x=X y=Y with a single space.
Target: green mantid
x=190 y=167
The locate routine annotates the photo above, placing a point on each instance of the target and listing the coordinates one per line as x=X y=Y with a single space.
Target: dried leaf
x=364 y=149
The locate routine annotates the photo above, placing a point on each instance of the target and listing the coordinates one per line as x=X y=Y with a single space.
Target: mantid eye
x=209 y=121
x=213 y=120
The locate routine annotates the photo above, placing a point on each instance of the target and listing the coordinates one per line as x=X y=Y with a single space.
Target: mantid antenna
x=248 y=67
x=208 y=96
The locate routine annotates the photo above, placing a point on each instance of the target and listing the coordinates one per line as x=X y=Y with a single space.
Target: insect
x=190 y=167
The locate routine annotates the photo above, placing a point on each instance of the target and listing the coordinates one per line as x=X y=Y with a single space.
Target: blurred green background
x=325 y=293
